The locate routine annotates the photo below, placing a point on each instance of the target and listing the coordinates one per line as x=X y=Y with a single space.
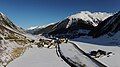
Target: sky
x=27 y=13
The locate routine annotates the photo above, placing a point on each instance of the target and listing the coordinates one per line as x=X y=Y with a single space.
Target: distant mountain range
x=77 y=24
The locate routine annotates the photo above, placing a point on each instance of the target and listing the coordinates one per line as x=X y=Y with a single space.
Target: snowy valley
x=85 y=39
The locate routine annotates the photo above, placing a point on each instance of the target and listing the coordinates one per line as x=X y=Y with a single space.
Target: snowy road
x=76 y=57
x=38 y=57
x=44 y=57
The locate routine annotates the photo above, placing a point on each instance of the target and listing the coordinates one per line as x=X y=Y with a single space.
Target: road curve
x=76 y=57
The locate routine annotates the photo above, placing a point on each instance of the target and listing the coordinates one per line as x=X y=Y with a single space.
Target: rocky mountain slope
x=110 y=26
x=107 y=32
x=77 y=24
x=4 y=21
x=13 y=40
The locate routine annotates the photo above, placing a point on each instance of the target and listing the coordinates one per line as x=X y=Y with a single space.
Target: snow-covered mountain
x=5 y=22
x=91 y=18
x=106 y=33
x=84 y=19
x=13 y=40
x=110 y=26
x=41 y=29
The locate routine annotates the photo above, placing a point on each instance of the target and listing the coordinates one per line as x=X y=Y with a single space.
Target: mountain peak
x=86 y=15
x=90 y=17
x=39 y=27
x=6 y=23
x=2 y=16
x=78 y=20
x=110 y=26
x=1 y=13
x=86 y=12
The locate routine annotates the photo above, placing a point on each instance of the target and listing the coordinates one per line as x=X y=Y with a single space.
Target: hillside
x=13 y=40
x=110 y=26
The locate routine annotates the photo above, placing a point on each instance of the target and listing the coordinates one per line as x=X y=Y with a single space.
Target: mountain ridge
x=74 y=15
x=13 y=40
x=91 y=19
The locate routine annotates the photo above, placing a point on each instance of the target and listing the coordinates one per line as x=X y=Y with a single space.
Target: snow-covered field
x=112 y=61
x=38 y=57
x=44 y=57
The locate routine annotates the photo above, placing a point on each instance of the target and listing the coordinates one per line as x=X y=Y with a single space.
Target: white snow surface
x=105 y=43
x=112 y=61
x=39 y=27
x=90 y=17
x=31 y=28
x=3 y=15
x=38 y=57
x=70 y=51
